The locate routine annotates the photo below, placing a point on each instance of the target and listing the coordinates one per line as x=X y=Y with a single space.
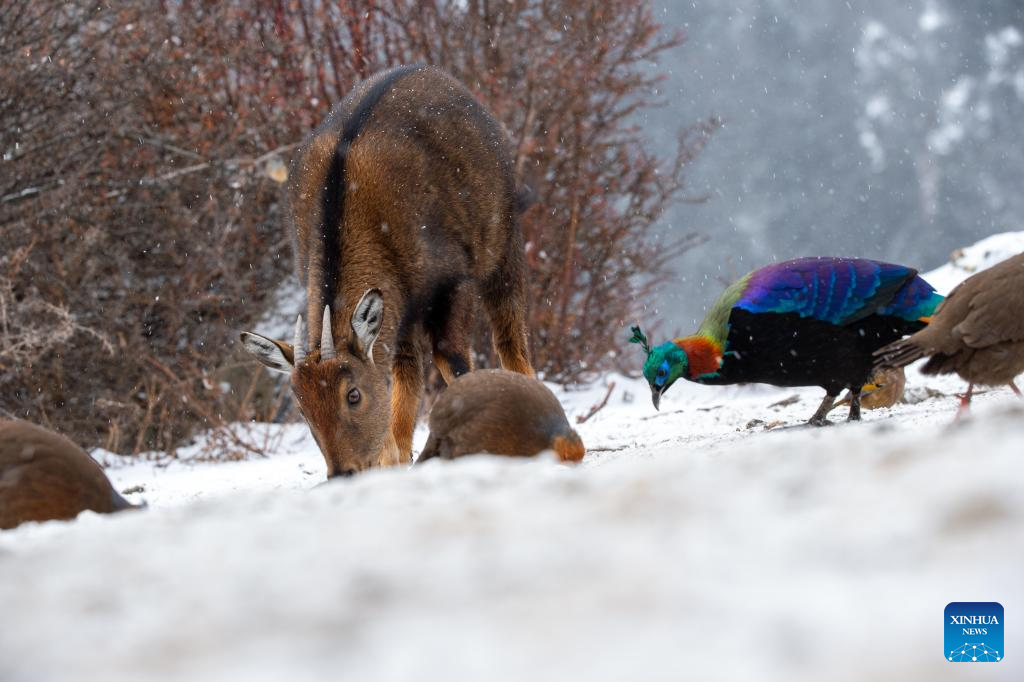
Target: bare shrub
x=142 y=211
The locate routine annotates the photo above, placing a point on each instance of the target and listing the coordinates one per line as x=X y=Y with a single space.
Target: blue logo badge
x=974 y=632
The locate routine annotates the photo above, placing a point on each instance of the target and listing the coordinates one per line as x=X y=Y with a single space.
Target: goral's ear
x=275 y=355
x=367 y=319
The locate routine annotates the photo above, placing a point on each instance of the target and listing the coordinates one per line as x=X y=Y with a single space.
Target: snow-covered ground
x=716 y=539
x=979 y=256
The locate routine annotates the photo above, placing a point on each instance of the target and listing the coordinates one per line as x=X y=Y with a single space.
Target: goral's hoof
x=818 y=421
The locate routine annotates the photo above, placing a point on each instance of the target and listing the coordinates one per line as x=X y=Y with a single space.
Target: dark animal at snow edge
x=405 y=214
x=977 y=332
x=44 y=476
x=500 y=413
x=804 y=322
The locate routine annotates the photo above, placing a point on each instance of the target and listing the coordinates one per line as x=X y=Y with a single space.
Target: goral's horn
x=298 y=343
x=326 y=340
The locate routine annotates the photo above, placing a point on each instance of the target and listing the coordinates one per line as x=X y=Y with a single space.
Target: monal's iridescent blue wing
x=838 y=290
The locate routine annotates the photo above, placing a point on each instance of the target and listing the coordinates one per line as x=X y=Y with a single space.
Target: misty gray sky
x=876 y=129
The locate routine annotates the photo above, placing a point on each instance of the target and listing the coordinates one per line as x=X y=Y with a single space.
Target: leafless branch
x=581 y=418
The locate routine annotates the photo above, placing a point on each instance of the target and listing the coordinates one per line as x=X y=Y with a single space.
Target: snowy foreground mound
x=708 y=541
x=715 y=540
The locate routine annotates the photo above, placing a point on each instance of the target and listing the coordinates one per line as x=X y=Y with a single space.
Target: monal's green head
x=664 y=364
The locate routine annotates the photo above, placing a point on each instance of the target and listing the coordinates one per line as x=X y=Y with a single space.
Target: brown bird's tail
x=898 y=354
x=940 y=363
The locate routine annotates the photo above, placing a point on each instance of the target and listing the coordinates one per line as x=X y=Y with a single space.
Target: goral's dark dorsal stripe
x=333 y=200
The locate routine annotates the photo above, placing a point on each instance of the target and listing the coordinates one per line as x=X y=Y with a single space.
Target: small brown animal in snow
x=884 y=389
x=406 y=217
x=977 y=332
x=44 y=476
x=500 y=413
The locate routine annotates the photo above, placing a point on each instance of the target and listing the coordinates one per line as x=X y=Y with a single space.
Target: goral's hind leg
x=504 y=298
x=820 y=417
x=450 y=328
x=407 y=374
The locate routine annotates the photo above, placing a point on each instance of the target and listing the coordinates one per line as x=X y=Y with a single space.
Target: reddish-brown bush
x=141 y=208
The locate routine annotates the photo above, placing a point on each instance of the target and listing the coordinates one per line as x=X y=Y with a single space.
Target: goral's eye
x=354 y=396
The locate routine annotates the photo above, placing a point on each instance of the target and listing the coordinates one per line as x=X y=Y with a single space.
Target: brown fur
x=44 y=476
x=500 y=413
x=977 y=332
x=569 y=448
x=886 y=388
x=419 y=178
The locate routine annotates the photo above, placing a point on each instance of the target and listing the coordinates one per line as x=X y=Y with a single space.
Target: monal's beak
x=656 y=396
